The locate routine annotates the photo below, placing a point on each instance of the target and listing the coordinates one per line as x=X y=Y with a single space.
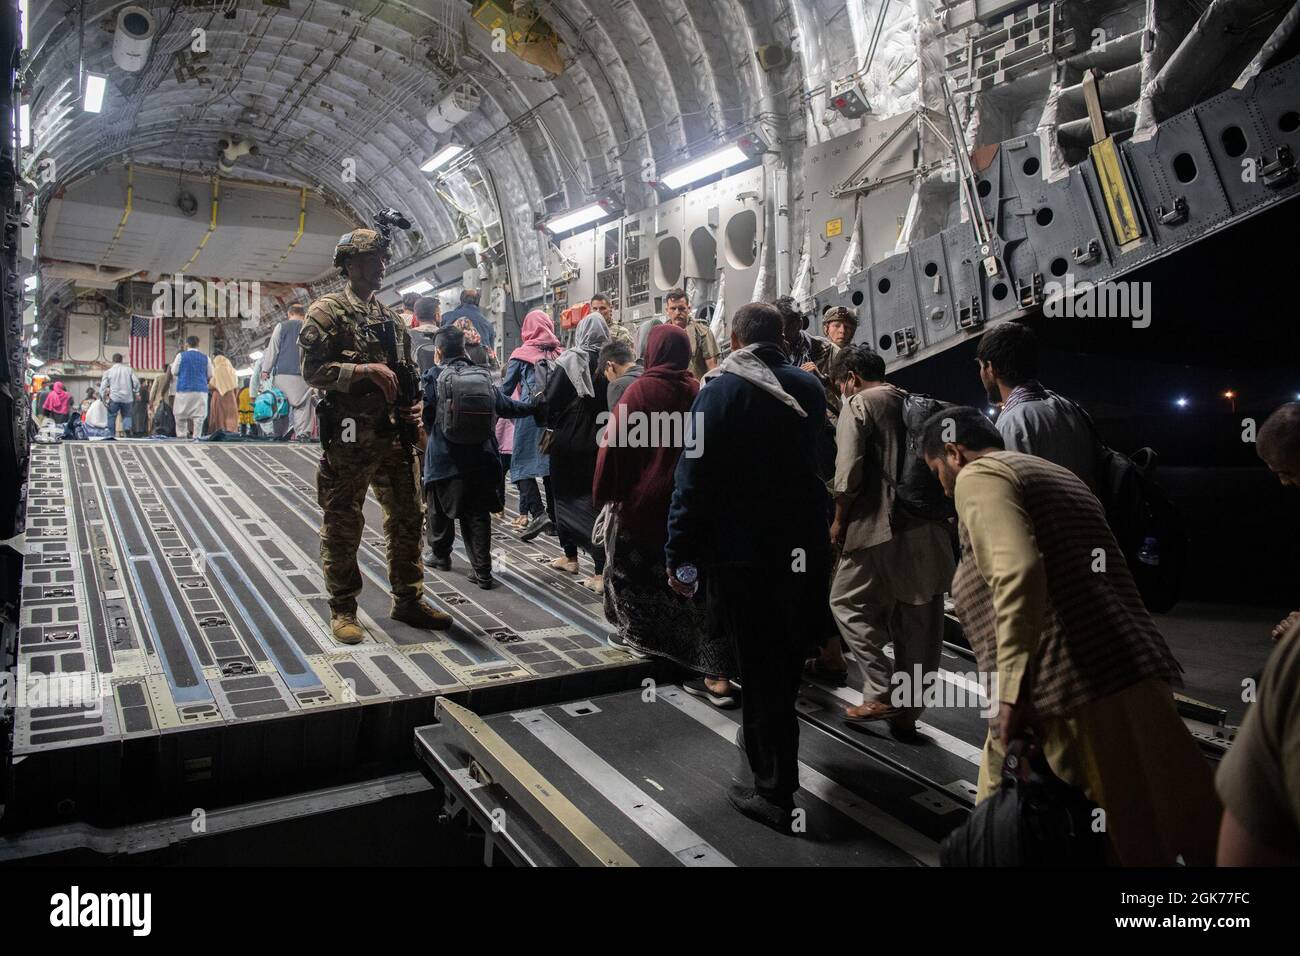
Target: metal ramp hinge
x=1277 y=166
x=1175 y=214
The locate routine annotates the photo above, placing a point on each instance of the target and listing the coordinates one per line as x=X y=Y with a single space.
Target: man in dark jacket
x=469 y=309
x=461 y=482
x=747 y=522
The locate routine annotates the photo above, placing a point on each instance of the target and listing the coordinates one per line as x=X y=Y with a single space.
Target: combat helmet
x=355 y=242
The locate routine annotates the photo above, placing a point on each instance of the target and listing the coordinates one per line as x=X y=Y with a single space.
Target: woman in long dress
x=223 y=413
x=637 y=483
x=575 y=399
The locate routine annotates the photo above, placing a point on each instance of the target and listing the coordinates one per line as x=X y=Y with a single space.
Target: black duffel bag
x=1034 y=819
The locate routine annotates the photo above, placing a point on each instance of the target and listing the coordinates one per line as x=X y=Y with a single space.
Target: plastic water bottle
x=1149 y=553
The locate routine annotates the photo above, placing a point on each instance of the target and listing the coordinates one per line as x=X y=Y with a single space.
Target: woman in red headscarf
x=646 y=435
x=530 y=367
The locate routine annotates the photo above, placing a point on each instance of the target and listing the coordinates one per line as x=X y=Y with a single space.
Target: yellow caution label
x=1119 y=204
x=834 y=227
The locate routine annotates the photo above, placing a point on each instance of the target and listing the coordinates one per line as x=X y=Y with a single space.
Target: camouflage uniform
x=340 y=333
x=618 y=332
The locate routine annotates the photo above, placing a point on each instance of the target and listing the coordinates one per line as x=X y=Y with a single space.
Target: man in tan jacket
x=1051 y=611
x=894 y=567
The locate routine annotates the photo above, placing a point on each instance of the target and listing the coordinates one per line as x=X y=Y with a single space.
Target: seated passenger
x=463 y=480
x=1052 y=613
x=894 y=566
x=1033 y=420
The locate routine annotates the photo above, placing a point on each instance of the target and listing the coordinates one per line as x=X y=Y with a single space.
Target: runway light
x=442 y=157
x=93 y=101
x=579 y=217
x=419 y=288
x=705 y=166
x=1229 y=394
x=1181 y=403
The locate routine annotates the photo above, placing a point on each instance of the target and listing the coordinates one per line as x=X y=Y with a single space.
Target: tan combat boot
x=420 y=615
x=345 y=628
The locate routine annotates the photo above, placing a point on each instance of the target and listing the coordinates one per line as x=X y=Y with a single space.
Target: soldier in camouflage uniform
x=345 y=341
x=618 y=332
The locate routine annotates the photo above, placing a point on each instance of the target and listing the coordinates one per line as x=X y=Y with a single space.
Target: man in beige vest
x=894 y=567
x=1052 y=613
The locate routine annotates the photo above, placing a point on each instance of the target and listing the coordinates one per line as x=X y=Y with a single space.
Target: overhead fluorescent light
x=254 y=356
x=93 y=101
x=704 y=167
x=442 y=157
x=420 y=288
x=579 y=217
x=22 y=10
x=25 y=125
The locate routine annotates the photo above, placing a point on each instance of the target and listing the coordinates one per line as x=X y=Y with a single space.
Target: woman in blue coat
x=529 y=369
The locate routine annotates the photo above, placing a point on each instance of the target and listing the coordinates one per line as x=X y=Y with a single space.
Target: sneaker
x=594 y=583
x=420 y=615
x=345 y=628
x=535 y=527
x=697 y=688
x=757 y=807
x=565 y=564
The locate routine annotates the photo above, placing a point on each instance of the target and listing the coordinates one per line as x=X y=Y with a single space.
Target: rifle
x=408 y=386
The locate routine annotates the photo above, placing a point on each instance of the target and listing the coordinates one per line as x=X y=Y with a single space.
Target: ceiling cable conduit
x=212 y=224
x=302 y=225
x=126 y=213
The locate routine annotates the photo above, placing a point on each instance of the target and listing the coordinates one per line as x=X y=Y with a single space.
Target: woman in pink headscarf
x=529 y=369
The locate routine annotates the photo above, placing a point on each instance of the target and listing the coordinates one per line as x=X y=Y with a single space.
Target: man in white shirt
x=118 y=389
x=193 y=372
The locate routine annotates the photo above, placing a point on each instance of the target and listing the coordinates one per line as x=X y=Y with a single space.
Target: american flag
x=147 y=347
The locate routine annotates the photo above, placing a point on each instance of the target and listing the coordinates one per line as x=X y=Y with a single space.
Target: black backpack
x=466 y=404
x=1149 y=528
x=543 y=369
x=917 y=491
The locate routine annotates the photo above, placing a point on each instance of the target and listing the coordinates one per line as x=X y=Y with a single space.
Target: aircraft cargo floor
x=174 y=647
x=181 y=580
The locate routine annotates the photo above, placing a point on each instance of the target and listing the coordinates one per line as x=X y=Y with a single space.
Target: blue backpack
x=269 y=405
